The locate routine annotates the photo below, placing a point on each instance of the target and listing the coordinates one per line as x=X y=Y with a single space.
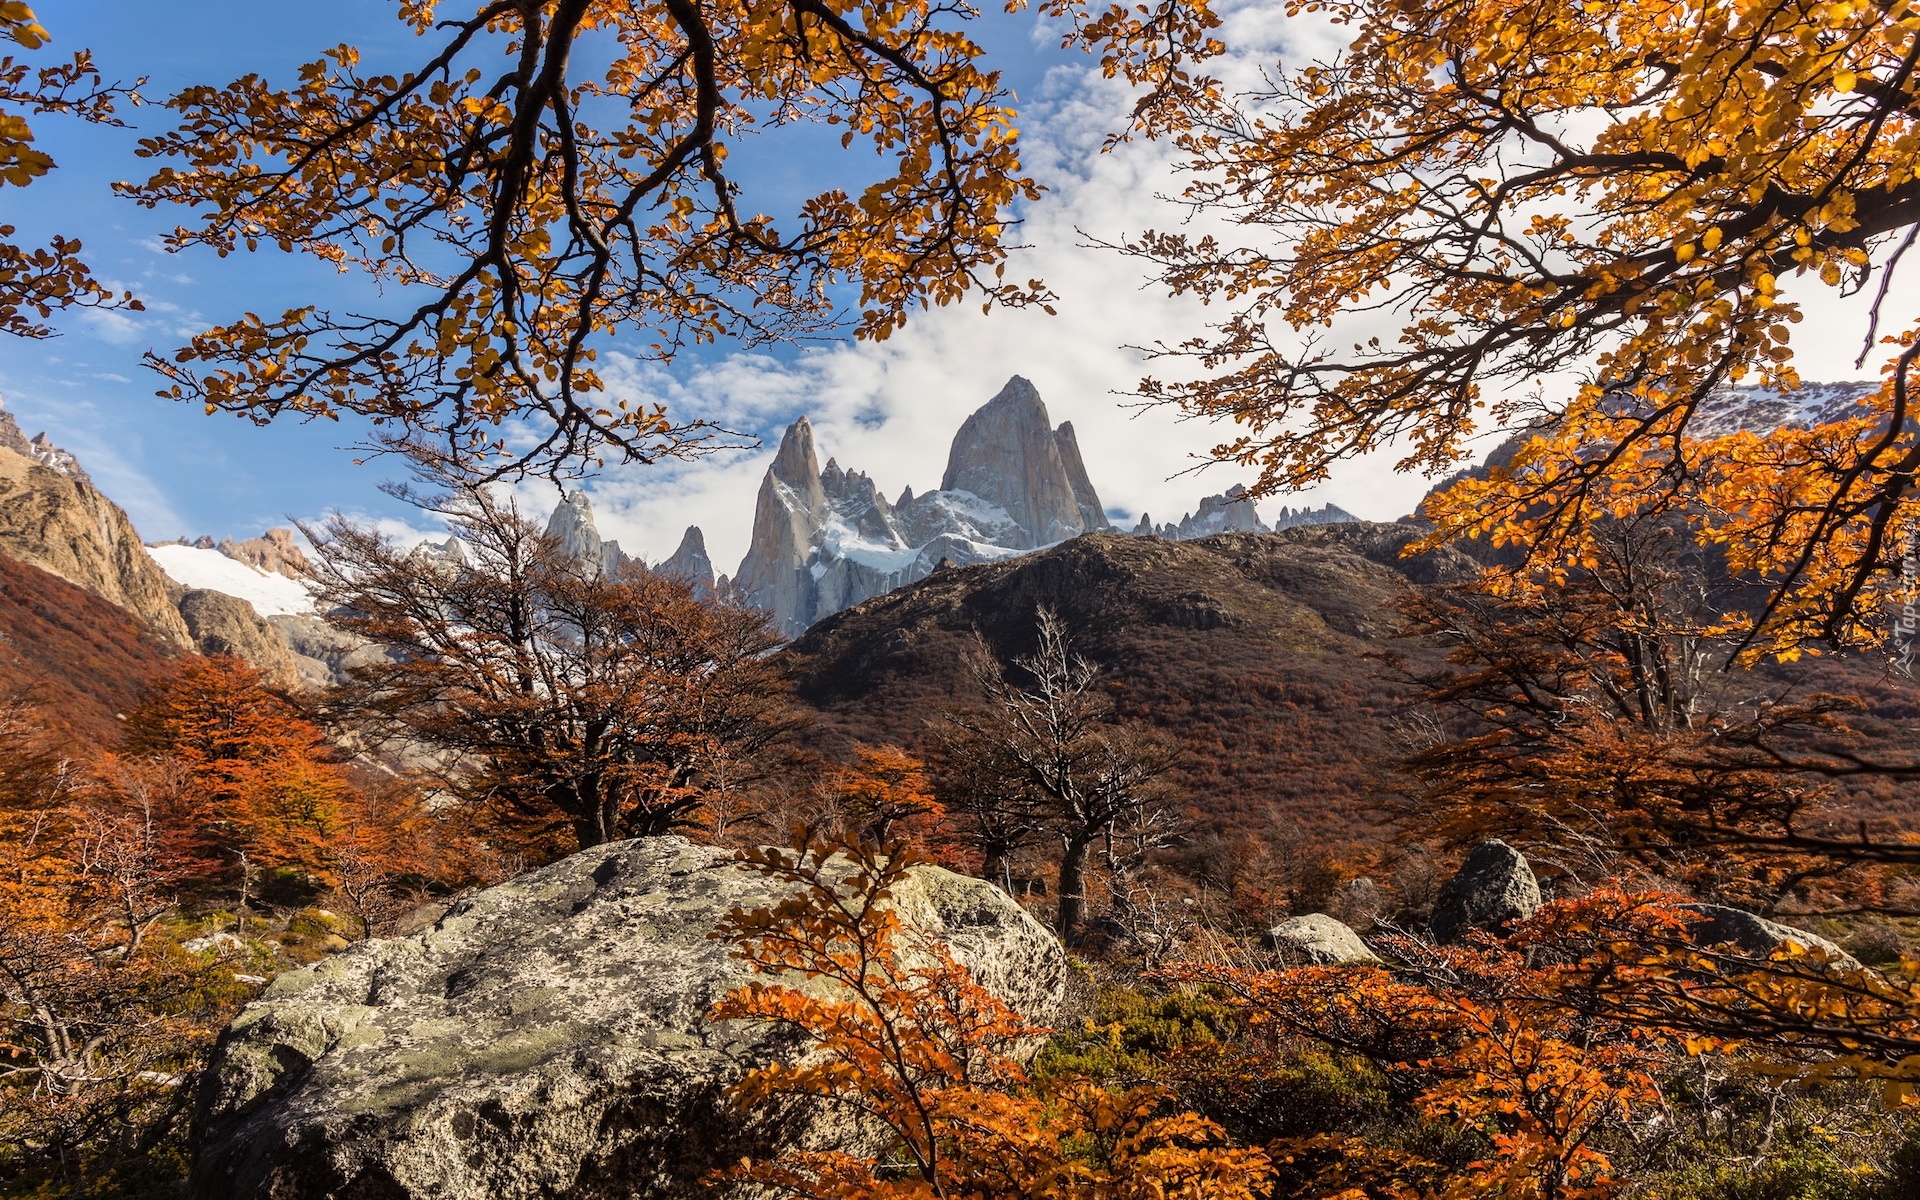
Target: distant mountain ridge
x=826 y=538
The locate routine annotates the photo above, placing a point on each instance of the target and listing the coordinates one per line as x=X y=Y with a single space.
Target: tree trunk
x=995 y=868
x=1073 y=889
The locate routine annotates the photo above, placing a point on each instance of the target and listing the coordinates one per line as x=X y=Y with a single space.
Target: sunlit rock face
x=825 y=538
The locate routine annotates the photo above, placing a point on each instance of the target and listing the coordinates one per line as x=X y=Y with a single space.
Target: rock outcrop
x=1319 y=940
x=1233 y=511
x=1754 y=935
x=321 y=653
x=689 y=562
x=1492 y=889
x=1009 y=455
x=548 y=1038
x=52 y=517
x=223 y=624
x=572 y=525
x=275 y=552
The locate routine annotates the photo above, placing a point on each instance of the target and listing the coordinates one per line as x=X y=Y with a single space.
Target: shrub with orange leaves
x=102 y=1026
x=1487 y=1038
x=909 y=1039
x=885 y=791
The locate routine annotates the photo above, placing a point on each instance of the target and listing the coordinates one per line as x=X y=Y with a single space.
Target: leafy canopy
x=1618 y=190
x=524 y=206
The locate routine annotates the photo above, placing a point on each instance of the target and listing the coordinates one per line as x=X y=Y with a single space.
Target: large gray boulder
x=548 y=1038
x=1754 y=935
x=1320 y=940
x=1493 y=888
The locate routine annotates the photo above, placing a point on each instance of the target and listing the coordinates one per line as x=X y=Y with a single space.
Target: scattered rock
x=1755 y=935
x=1320 y=939
x=548 y=1038
x=1493 y=888
x=212 y=942
x=323 y=654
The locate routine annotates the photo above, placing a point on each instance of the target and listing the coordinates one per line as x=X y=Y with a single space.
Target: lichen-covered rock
x=548 y=1038
x=1320 y=940
x=1754 y=935
x=1493 y=888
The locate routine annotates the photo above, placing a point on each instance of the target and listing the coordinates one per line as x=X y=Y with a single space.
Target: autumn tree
x=599 y=705
x=102 y=1023
x=1598 y=724
x=543 y=176
x=1609 y=211
x=902 y=1033
x=240 y=786
x=1047 y=739
x=250 y=778
x=882 y=793
x=36 y=281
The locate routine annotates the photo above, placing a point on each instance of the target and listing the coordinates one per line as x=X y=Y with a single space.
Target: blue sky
x=178 y=470
x=889 y=409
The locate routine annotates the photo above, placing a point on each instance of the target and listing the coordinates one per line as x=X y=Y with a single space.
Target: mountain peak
x=690 y=562
x=1009 y=454
x=796 y=464
x=573 y=527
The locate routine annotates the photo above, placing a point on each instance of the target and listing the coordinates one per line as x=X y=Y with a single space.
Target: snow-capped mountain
x=1233 y=511
x=1760 y=409
x=825 y=538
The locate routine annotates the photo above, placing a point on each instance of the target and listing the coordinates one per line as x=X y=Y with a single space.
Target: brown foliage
x=1603 y=726
x=1594 y=195
x=101 y=1025
x=590 y=707
x=85 y=659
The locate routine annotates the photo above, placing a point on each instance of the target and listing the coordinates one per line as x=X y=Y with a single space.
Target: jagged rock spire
x=690 y=561
x=1009 y=454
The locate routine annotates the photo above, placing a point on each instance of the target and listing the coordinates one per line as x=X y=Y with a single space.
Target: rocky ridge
x=52 y=517
x=1233 y=511
x=826 y=538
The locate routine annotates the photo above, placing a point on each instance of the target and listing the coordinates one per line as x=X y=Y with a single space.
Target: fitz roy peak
x=825 y=538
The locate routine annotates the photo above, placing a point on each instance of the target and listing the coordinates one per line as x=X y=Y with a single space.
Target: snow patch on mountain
x=196 y=567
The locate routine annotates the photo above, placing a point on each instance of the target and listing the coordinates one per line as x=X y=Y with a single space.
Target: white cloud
x=891 y=408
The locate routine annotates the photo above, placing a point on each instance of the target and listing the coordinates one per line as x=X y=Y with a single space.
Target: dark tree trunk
x=995 y=868
x=1073 y=889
